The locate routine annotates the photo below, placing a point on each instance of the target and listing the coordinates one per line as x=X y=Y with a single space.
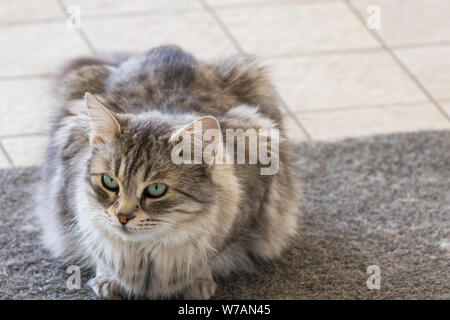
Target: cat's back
x=163 y=69
x=172 y=80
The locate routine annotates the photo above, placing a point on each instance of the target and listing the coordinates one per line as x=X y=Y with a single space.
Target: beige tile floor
x=337 y=78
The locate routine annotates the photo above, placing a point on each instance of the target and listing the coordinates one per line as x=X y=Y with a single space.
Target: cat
x=111 y=198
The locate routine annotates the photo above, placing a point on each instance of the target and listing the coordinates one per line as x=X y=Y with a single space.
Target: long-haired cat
x=112 y=199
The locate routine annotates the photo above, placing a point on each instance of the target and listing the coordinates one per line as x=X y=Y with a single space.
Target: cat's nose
x=124 y=218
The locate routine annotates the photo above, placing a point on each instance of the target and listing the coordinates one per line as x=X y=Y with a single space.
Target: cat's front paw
x=105 y=288
x=202 y=289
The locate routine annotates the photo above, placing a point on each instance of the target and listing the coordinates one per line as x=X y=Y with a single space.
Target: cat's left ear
x=104 y=125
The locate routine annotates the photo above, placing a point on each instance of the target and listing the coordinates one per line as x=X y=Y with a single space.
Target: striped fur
x=214 y=219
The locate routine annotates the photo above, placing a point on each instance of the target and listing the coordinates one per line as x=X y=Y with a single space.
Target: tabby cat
x=112 y=199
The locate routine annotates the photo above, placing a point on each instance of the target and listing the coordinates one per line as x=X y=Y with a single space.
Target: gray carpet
x=377 y=201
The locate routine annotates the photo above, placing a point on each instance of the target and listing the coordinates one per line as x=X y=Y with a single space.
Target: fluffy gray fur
x=213 y=220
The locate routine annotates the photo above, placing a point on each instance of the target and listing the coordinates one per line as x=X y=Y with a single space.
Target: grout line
x=18 y=23
x=223 y=26
x=302 y=127
x=24 y=135
x=421 y=45
x=99 y=16
x=362 y=107
x=87 y=41
x=398 y=61
x=243 y=4
x=95 y=16
x=322 y=53
x=81 y=32
x=292 y=114
x=27 y=76
x=140 y=13
x=3 y=150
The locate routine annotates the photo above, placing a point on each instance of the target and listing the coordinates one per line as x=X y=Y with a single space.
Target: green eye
x=109 y=183
x=156 y=190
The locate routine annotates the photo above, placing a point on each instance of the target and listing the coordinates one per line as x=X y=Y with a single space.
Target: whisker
x=204 y=231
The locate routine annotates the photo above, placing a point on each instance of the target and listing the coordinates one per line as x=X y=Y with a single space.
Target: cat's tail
x=85 y=74
x=109 y=59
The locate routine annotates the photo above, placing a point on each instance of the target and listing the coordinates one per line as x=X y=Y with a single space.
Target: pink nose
x=124 y=218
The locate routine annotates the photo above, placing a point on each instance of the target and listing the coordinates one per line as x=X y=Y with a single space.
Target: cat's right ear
x=202 y=139
x=104 y=125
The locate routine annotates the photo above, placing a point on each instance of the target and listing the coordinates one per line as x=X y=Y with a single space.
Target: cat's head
x=135 y=189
